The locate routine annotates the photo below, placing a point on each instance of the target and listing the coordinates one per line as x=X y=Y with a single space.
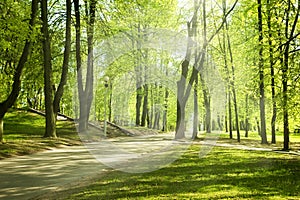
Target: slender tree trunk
x=247 y=116
x=150 y=123
x=258 y=127
x=230 y=114
x=196 y=112
x=110 y=102
x=284 y=70
x=145 y=102
x=226 y=124
x=261 y=76
x=139 y=81
x=89 y=86
x=165 y=114
x=232 y=84
x=82 y=101
x=65 y=66
x=271 y=52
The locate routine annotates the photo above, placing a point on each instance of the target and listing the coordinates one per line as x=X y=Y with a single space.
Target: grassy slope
x=23 y=132
x=223 y=174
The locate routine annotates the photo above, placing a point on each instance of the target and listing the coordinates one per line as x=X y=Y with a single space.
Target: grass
x=254 y=140
x=223 y=174
x=23 y=134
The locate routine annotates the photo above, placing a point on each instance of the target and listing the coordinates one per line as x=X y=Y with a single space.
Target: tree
x=52 y=103
x=261 y=76
x=12 y=97
x=272 y=71
x=85 y=93
x=184 y=85
x=290 y=27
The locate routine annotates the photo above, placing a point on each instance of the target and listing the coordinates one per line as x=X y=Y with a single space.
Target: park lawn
x=23 y=134
x=223 y=174
x=254 y=140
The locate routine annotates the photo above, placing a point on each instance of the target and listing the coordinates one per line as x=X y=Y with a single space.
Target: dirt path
x=25 y=177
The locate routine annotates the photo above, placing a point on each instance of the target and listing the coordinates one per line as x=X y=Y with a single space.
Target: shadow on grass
x=224 y=173
x=24 y=131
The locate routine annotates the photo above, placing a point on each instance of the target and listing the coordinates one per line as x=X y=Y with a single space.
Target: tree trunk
x=85 y=95
x=1 y=129
x=52 y=103
x=271 y=52
x=226 y=125
x=81 y=95
x=284 y=70
x=181 y=84
x=139 y=81
x=89 y=86
x=258 y=127
x=65 y=66
x=196 y=112
x=110 y=102
x=247 y=116
x=165 y=114
x=261 y=77
x=230 y=114
x=48 y=87
x=232 y=86
x=145 y=102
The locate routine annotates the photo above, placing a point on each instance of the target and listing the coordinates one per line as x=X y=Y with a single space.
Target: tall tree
x=184 y=88
x=52 y=100
x=85 y=93
x=290 y=27
x=263 y=132
x=272 y=71
x=12 y=97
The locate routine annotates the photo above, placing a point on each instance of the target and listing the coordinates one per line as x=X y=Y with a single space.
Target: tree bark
x=232 y=84
x=261 y=76
x=289 y=36
x=48 y=86
x=52 y=103
x=85 y=94
x=271 y=60
x=247 y=116
x=65 y=66
x=196 y=112
x=258 y=127
x=1 y=129
x=165 y=113
x=145 y=102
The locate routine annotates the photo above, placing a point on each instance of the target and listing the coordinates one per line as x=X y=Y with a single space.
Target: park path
x=25 y=177
x=31 y=176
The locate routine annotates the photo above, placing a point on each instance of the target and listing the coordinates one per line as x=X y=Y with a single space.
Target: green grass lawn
x=23 y=134
x=254 y=139
x=223 y=174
